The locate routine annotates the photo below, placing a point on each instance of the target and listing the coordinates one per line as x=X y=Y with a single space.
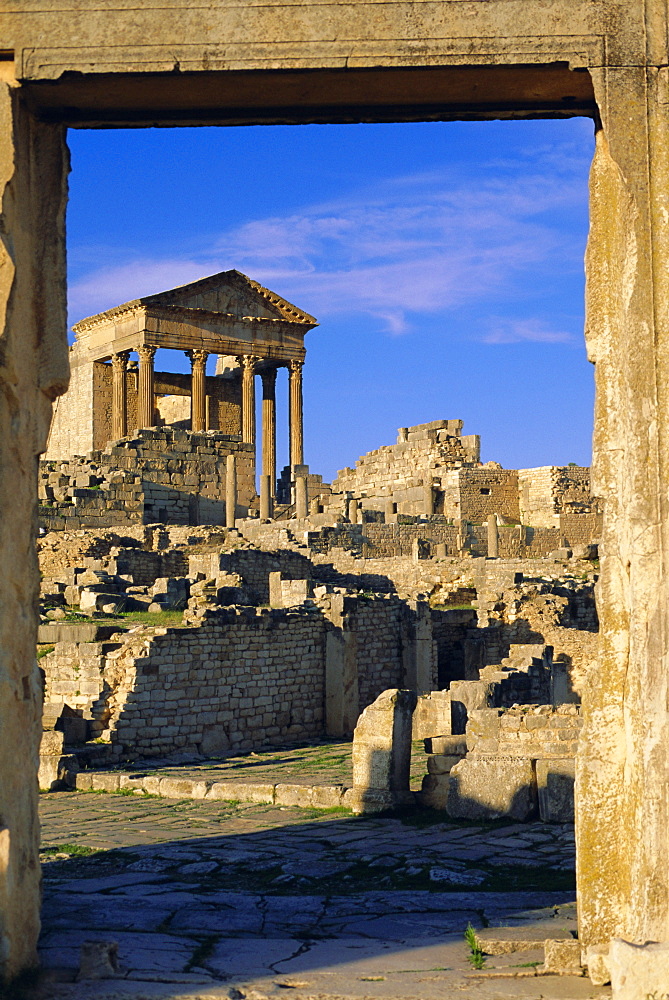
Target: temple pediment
x=226 y=313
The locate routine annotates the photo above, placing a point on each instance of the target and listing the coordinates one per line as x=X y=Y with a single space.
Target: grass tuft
x=477 y=957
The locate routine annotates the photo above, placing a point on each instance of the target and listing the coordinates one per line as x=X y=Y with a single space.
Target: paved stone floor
x=324 y=763
x=215 y=899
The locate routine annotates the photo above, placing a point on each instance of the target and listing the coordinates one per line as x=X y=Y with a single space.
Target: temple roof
x=228 y=292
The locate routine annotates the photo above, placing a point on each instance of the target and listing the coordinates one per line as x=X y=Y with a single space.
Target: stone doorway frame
x=84 y=66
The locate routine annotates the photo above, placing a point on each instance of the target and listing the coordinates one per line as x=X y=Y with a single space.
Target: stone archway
x=64 y=65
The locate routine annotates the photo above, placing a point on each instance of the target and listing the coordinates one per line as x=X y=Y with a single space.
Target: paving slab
x=205 y=898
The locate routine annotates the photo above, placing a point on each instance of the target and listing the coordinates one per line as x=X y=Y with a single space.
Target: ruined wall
x=245 y=680
x=525 y=731
x=254 y=567
x=400 y=472
x=451 y=633
x=68 y=436
x=549 y=491
x=378 y=625
x=160 y=475
x=474 y=494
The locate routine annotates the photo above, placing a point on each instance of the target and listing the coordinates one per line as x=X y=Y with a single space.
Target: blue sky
x=444 y=262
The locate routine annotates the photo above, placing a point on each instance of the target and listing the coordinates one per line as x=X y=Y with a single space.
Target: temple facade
x=115 y=389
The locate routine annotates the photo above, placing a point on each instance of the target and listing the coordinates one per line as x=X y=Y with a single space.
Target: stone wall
x=550 y=490
x=474 y=494
x=252 y=676
x=254 y=567
x=247 y=679
x=161 y=475
x=399 y=473
x=379 y=625
x=526 y=731
x=516 y=541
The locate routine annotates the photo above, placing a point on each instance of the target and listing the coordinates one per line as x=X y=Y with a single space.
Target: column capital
x=120 y=360
x=249 y=362
x=295 y=366
x=146 y=353
x=198 y=357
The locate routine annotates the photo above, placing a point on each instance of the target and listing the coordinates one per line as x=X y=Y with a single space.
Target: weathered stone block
x=105 y=781
x=491 y=787
x=293 y=795
x=639 y=971
x=449 y=745
x=183 y=788
x=52 y=742
x=596 y=959
x=382 y=743
x=563 y=957
x=98 y=960
x=442 y=763
x=327 y=796
x=555 y=787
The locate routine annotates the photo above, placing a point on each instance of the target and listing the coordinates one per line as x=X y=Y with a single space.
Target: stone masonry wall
x=401 y=471
x=549 y=491
x=474 y=494
x=378 y=624
x=526 y=731
x=245 y=677
x=161 y=475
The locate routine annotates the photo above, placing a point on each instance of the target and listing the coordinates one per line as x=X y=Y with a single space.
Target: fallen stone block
x=562 y=957
x=639 y=971
x=555 y=788
x=99 y=960
x=492 y=787
x=596 y=959
x=57 y=772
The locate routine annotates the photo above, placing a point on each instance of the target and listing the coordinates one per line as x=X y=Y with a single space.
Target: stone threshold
x=269 y=793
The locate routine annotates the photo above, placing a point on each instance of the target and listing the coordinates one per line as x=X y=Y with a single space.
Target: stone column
x=269 y=427
x=249 y=363
x=34 y=165
x=295 y=413
x=119 y=427
x=230 y=491
x=493 y=537
x=265 y=498
x=145 y=397
x=301 y=497
x=198 y=390
x=428 y=493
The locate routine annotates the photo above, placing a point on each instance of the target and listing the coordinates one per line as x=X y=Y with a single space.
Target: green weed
x=74 y=850
x=476 y=956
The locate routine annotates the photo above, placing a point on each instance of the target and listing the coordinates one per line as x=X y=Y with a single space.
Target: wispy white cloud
x=511 y=331
x=413 y=245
